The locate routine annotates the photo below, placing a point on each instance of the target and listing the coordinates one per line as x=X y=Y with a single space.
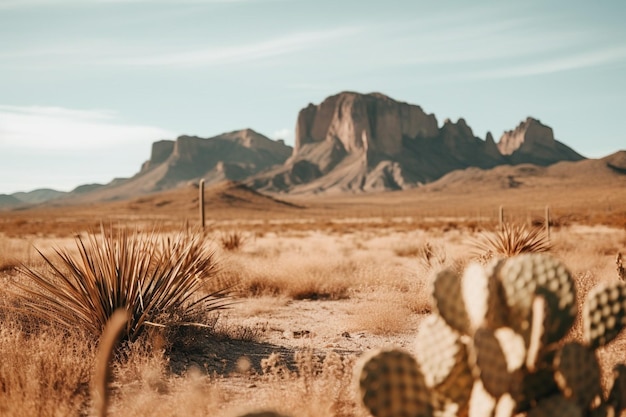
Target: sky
x=86 y=86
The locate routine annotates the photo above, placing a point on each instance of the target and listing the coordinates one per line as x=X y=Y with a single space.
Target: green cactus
x=525 y=276
x=448 y=297
x=577 y=373
x=605 y=313
x=491 y=363
x=444 y=361
x=505 y=355
x=392 y=385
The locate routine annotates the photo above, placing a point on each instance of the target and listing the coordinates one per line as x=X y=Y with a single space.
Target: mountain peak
x=528 y=134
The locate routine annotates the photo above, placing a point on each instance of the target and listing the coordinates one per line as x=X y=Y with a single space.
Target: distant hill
x=38 y=196
x=9 y=201
x=565 y=175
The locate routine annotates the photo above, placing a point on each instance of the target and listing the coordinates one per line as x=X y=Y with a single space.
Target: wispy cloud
x=56 y=128
x=112 y=53
x=587 y=59
x=248 y=52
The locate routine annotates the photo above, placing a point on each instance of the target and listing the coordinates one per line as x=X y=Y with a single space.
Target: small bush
x=512 y=240
x=155 y=278
x=232 y=241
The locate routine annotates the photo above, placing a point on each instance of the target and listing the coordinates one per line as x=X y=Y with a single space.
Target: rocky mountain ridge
x=355 y=142
x=350 y=142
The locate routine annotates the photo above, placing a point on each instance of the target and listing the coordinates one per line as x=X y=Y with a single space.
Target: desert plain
x=315 y=282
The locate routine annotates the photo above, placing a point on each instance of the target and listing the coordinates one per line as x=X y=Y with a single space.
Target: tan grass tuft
x=233 y=241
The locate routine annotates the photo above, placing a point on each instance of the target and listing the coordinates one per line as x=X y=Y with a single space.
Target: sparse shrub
x=233 y=240
x=155 y=278
x=621 y=272
x=511 y=240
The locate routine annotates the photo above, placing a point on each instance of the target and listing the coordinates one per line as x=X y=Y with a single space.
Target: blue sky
x=87 y=85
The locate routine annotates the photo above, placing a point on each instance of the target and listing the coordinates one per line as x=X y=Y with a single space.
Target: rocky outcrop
x=372 y=122
x=533 y=142
x=161 y=150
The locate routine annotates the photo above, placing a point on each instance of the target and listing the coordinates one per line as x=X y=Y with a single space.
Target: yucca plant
x=511 y=240
x=156 y=279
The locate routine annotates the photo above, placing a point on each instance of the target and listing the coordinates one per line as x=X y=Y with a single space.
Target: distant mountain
x=350 y=143
x=354 y=142
x=38 y=196
x=9 y=201
x=232 y=156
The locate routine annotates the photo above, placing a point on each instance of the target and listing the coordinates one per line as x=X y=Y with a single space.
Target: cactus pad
x=447 y=292
x=438 y=349
x=528 y=275
x=392 y=385
x=492 y=363
x=578 y=374
x=605 y=313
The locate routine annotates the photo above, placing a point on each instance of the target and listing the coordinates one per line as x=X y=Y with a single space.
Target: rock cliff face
x=533 y=142
x=355 y=142
x=372 y=122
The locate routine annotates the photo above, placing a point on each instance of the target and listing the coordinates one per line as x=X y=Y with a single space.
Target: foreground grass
x=382 y=277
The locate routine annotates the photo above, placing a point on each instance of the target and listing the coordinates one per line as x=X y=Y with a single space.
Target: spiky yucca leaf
x=154 y=278
x=511 y=240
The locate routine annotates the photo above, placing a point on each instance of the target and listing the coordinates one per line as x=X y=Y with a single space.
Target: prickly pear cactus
x=605 y=313
x=391 y=384
x=493 y=347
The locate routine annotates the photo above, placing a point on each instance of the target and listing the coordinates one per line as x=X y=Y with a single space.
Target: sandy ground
x=287 y=326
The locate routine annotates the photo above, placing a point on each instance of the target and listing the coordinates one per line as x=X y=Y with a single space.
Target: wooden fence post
x=201 y=203
x=501 y=217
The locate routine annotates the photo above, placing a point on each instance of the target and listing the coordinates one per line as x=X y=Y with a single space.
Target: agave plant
x=511 y=240
x=156 y=279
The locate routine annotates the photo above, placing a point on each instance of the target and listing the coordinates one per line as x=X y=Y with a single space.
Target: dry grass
x=155 y=278
x=380 y=315
x=44 y=371
x=383 y=293
x=233 y=240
